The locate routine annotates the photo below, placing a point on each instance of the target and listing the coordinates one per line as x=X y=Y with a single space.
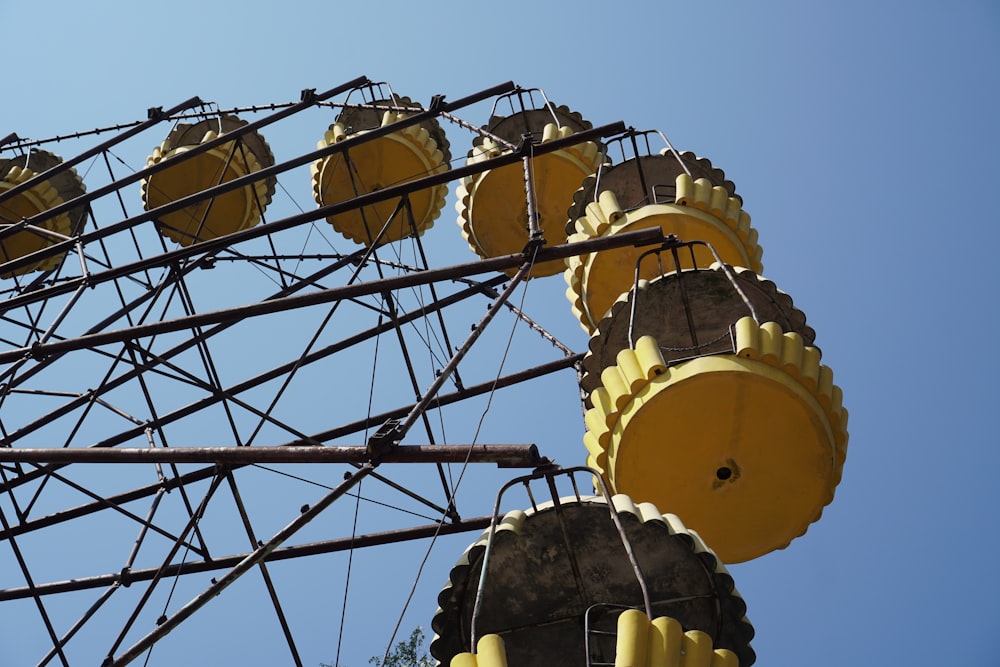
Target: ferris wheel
x=213 y=356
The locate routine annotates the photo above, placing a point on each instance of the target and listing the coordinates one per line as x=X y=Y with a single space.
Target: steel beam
x=238 y=183
x=505 y=455
x=207 y=472
x=155 y=116
x=39 y=350
x=309 y=99
x=211 y=245
x=128 y=577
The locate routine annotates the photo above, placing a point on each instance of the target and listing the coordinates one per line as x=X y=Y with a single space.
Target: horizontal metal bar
x=445 y=399
x=128 y=577
x=209 y=246
x=514 y=456
x=324 y=436
x=637 y=238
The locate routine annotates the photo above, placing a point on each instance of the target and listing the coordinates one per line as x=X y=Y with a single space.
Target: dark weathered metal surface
x=532 y=601
x=713 y=306
x=642 y=180
x=638 y=238
x=524 y=119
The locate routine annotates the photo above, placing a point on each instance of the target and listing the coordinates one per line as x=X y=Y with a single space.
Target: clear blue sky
x=862 y=138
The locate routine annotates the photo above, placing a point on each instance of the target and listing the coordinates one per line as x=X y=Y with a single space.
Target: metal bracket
x=384 y=439
x=437 y=101
x=536 y=241
x=671 y=241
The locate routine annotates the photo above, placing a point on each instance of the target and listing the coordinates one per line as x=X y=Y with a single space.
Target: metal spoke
x=139 y=372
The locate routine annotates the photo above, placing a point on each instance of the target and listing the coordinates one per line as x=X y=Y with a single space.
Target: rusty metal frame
x=134 y=358
x=505 y=456
x=127 y=578
x=672 y=244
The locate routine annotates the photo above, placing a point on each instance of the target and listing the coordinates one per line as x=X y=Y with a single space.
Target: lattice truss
x=205 y=363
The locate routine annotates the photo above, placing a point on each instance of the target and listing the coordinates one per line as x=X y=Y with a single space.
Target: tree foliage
x=407 y=653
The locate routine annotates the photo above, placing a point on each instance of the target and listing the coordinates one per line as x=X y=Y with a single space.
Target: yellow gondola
x=748 y=447
x=644 y=178
x=492 y=206
x=550 y=565
x=700 y=211
x=220 y=216
x=64 y=186
x=689 y=313
x=410 y=153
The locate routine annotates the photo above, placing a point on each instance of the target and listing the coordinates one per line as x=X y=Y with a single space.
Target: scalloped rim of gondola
x=605 y=218
x=419 y=140
x=591 y=375
x=67 y=182
x=695 y=163
x=258 y=193
x=363 y=111
x=42 y=196
x=566 y=117
x=642 y=378
x=583 y=156
x=191 y=134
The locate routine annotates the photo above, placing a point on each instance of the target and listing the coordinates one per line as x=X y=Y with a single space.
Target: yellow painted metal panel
x=37 y=199
x=598 y=280
x=390 y=160
x=665 y=635
x=492 y=206
x=633 y=639
x=696 y=649
x=225 y=214
x=743 y=447
x=724 y=658
x=491 y=652
x=464 y=660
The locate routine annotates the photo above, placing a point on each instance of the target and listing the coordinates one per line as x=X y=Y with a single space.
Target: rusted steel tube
x=509 y=456
x=128 y=577
x=236 y=183
x=637 y=238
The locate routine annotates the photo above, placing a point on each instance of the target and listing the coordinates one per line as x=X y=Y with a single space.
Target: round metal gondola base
x=554 y=564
